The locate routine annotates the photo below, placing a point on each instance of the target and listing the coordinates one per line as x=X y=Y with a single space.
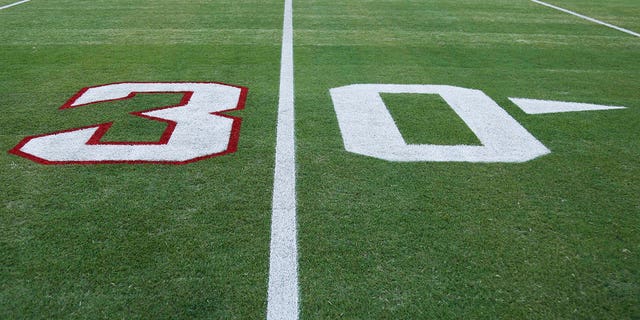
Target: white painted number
x=195 y=128
x=367 y=126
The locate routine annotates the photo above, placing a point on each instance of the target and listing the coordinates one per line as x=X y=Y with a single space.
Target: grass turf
x=142 y=241
x=556 y=237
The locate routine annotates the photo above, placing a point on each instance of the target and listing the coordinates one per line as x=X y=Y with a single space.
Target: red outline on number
x=164 y=139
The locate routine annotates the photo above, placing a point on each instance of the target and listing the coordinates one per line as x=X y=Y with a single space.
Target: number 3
x=195 y=128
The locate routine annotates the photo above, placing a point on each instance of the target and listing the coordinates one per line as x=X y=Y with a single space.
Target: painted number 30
x=195 y=128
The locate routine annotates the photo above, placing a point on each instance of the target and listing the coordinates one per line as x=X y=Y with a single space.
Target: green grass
x=143 y=241
x=428 y=119
x=621 y=13
x=7 y=2
x=557 y=237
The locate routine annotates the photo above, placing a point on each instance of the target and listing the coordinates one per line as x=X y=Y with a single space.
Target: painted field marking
x=368 y=128
x=196 y=127
x=533 y=106
x=282 y=296
x=588 y=18
x=13 y=4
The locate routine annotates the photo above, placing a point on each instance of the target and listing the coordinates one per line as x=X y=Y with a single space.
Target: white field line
x=588 y=18
x=282 y=297
x=13 y=4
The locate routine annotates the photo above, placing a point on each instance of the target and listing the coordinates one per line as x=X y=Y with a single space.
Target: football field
x=357 y=159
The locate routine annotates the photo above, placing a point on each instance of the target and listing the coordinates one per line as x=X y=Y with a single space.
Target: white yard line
x=588 y=18
x=282 y=299
x=13 y=4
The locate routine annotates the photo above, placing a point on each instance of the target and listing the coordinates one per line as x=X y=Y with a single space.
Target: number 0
x=367 y=126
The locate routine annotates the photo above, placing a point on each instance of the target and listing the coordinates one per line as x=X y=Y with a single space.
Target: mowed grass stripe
x=143 y=24
x=142 y=36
